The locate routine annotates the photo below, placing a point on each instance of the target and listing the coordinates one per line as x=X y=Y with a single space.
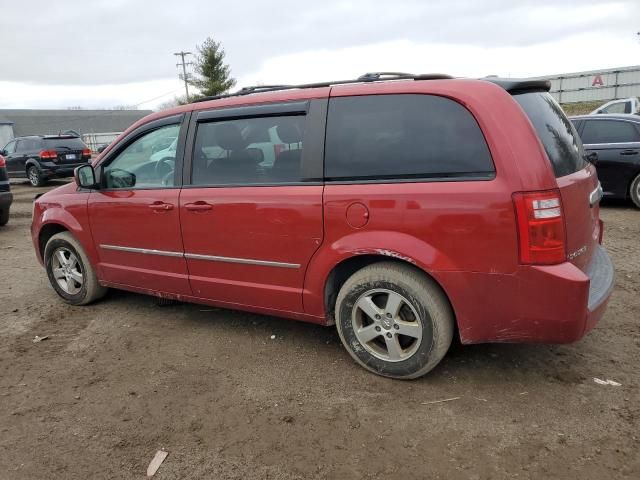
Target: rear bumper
x=541 y=304
x=55 y=170
x=601 y=281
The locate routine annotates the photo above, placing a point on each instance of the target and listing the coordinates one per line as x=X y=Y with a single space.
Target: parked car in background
x=5 y=193
x=398 y=214
x=626 y=105
x=613 y=144
x=40 y=158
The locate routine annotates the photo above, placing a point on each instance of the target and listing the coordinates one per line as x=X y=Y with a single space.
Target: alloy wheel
x=387 y=325
x=67 y=270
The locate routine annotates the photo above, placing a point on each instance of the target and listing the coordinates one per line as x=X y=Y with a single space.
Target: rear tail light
x=3 y=162
x=86 y=153
x=49 y=155
x=541 y=230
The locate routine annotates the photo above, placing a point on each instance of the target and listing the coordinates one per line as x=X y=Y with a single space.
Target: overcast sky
x=103 y=53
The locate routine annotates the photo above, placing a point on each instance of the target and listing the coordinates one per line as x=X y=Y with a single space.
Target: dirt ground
x=117 y=381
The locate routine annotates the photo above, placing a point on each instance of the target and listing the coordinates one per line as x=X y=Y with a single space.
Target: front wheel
x=35 y=177
x=394 y=320
x=634 y=191
x=69 y=271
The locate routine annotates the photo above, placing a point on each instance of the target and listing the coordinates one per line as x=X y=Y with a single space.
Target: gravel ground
x=117 y=381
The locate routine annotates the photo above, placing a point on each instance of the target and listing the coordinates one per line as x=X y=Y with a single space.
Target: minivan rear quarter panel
x=462 y=232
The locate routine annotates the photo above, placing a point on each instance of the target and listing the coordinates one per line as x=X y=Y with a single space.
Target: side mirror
x=592 y=158
x=3 y=152
x=85 y=176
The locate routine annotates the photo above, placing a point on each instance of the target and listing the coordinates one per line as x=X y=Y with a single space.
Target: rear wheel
x=634 y=191
x=394 y=320
x=35 y=177
x=70 y=272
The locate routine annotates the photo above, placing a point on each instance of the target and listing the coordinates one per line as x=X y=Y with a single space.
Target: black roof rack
x=511 y=85
x=367 y=77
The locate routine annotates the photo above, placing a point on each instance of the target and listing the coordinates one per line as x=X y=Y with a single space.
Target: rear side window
x=262 y=150
x=379 y=137
x=609 y=131
x=64 y=143
x=30 y=144
x=556 y=132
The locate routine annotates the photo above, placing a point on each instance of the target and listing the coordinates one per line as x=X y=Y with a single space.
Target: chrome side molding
x=196 y=256
x=146 y=251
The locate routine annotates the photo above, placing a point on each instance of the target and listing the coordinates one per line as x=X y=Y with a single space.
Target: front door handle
x=629 y=152
x=198 y=206
x=160 y=207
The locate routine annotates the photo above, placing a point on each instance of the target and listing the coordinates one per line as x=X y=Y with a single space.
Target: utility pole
x=184 y=64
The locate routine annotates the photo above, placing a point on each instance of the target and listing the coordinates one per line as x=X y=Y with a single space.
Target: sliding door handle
x=199 y=206
x=160 y=207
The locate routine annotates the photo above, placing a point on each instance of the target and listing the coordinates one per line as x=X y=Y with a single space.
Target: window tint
x=30 y=144
x=144 y=163
x=403 y=136
x=249 y=151
x=557 y=134
x=64 y=143
x=609 y=131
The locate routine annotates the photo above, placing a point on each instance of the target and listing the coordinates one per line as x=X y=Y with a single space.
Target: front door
x=15 y=159
x=134 y=216
x=252 y=214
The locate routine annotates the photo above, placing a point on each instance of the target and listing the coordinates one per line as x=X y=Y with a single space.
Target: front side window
x=379 y=137
x=10 y=147
x=147 y=162
x=609 y=131
x=262 y=150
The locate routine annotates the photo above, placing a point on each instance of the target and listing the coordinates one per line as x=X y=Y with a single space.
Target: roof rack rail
x=367 y=77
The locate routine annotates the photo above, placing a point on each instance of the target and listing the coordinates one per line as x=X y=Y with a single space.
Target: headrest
x=228 y=137
x=290 y=131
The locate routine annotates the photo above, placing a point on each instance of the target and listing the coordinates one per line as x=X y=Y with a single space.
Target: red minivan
x=400 y=208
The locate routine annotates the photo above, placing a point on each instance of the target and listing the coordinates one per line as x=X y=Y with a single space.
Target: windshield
x=73 y=143
x=556 y=132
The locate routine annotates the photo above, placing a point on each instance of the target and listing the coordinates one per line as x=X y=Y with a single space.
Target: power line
x=184 y=64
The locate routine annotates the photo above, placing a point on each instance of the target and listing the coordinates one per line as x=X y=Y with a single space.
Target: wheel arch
x=46 y=232
x=56 y=220
x=341 y=272
x=334 y=260
x=31 y=162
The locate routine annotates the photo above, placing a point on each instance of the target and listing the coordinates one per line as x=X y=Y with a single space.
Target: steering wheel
x=164 y=167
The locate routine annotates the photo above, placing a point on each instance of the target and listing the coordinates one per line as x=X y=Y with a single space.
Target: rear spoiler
x=520 y=85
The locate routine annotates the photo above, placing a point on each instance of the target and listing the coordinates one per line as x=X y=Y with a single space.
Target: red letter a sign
x=597 y=81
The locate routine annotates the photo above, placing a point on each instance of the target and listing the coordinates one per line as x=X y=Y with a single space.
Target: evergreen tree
x=212 y=75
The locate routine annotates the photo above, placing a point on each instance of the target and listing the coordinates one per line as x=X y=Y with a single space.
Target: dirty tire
x=423 y=296
x=634 y=191
x=90 y=289
x=35 y=177
x=4 y=217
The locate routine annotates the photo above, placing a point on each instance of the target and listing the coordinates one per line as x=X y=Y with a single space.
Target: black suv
x=40 y=158
x=5 y=193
